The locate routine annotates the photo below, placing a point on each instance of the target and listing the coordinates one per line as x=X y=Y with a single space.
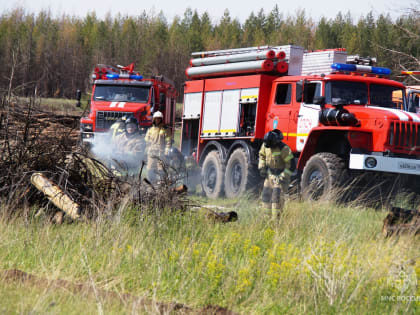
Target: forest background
x=53 y=56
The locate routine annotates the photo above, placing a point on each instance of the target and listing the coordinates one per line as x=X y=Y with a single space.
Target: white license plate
x=409 y=166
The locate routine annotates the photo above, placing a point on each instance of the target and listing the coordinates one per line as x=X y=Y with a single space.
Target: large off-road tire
x=212 y=175
x=322 y=177
x=240 y=174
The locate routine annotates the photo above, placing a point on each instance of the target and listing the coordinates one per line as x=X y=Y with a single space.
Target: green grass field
x=318 y=259
x=56 y=105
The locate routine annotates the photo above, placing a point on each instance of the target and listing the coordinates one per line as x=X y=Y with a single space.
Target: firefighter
x=158 y=143
x=130 y=145
x=177 y=168
x=184 y=170
x=276 y=166
x=193 y=174
x=117 y=128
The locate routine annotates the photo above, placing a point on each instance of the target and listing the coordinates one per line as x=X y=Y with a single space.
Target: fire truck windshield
x=381 y=95
x=348 y=92
x=121 y=93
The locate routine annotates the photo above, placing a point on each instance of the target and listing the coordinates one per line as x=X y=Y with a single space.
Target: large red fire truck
x=336 y=113
x=119 y=92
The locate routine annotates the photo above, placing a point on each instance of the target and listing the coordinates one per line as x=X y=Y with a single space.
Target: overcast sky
x=237 y=8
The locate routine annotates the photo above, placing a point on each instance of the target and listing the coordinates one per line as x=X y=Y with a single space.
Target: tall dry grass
x=319 y=258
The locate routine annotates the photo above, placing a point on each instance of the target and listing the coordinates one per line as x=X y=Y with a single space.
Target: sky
x=239 y=9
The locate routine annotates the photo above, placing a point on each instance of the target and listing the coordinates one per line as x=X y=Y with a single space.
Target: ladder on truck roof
x=276 y=60
x=223 y=52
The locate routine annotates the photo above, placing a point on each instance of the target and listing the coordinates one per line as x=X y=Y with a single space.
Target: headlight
x=371 y=162
x=86 y=127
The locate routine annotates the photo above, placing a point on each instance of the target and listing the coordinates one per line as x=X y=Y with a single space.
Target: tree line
x=53 y=56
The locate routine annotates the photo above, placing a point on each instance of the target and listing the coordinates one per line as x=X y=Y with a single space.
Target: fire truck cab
x=119 y=92
x=337 y=118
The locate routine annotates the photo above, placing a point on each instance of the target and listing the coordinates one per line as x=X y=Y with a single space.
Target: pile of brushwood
x=35 y=141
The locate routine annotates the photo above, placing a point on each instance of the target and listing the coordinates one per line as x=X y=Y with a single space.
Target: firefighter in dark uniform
x=130 y=145
x=177 y=168
x=158 y=143
x=184 y=170
x=276 y=166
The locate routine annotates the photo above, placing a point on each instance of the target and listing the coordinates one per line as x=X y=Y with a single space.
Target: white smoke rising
x=106 y=150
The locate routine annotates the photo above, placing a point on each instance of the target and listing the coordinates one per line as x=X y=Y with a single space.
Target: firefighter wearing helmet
x=158 y=143
x=276 y=166
x=130 y=144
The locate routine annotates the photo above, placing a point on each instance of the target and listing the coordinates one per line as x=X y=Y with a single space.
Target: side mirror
x=162 y=102
x=319 y=100
x=413 y=104
x=299 y=91
x=162 y=99
x=78 y=98
x=338 y=101
x=412 y=108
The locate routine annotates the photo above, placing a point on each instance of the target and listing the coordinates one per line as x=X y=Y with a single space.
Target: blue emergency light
x=113 y=76
x=360 y=68
x=131 y=76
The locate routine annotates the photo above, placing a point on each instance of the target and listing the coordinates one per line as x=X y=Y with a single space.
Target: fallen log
x=217 y=216
x=60 y=199
x=401 y=221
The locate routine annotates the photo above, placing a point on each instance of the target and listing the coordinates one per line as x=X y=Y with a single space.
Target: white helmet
x=157 y=114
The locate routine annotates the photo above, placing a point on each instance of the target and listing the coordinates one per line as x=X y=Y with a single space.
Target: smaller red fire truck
x=336 y=113
x=119 y=92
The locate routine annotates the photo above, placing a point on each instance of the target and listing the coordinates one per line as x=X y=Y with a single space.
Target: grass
x=320 y=258
x=47 y=300
x=56 y=105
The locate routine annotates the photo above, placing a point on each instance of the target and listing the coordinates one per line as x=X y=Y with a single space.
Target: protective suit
x=275 y=165
x=158 y=143
x=129 y=146
x=184 y=170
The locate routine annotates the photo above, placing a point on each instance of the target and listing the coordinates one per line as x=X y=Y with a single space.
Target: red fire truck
x=336 y=113
x=122 y=92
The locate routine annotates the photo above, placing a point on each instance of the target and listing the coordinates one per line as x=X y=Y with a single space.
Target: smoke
x=175 y=169
x=116 y=156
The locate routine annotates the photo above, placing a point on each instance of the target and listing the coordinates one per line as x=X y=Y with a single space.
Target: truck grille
x=105 y=119
x=405 y=136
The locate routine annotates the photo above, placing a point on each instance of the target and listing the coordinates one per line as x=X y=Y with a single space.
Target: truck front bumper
x=379 y=163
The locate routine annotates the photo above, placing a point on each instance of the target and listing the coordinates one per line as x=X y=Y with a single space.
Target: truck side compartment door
x=191 y=122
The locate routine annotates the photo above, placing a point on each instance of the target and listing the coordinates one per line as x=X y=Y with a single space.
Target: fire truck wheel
x=239 y=174
x=322 y=175
x=212 y=175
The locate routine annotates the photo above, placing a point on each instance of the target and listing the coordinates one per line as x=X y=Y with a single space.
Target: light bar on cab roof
x=410 y=72
x=136 y=77
x=360 y=68
x=131 y=76
x=113 y=76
